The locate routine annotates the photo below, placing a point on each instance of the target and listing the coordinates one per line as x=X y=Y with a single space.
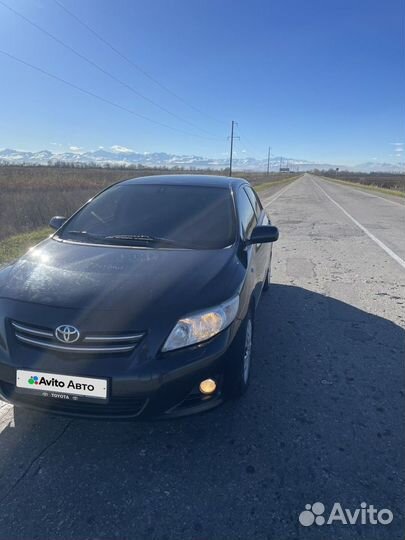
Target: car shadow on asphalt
x=323 y=420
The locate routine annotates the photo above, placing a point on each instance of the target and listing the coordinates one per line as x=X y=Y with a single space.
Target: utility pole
x=268 y=161
x=231 y=152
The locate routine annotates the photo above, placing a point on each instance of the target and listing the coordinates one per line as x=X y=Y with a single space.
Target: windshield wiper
x=121 y=238
x=141 y=238
x=86 y=234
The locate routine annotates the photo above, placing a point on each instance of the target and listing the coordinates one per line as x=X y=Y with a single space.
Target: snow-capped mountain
x=122 y=156
x=373 y=166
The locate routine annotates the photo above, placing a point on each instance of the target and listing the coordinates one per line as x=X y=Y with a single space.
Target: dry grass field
x=30 y=196
x=394 y=182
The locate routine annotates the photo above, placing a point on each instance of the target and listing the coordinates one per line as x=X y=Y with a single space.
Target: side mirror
x=57 y=221
x=262 y=234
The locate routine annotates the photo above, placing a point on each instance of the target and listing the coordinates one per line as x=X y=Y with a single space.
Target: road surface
x=323 y=420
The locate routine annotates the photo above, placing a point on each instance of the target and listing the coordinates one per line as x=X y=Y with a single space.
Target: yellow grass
x=13 y=247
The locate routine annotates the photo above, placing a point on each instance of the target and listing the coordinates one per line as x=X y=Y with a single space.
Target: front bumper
x=164 y=386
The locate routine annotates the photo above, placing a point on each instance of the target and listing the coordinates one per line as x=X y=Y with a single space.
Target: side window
x=254 y=199
x=247 y=216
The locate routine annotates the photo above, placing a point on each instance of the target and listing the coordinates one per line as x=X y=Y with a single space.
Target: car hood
x=140 y=282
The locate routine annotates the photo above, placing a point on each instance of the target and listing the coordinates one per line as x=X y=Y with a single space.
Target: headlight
x=202 y=325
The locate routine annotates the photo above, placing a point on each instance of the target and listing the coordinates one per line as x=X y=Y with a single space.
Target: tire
x=240 y=358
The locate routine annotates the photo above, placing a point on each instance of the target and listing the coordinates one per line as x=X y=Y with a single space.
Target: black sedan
x=141 y=304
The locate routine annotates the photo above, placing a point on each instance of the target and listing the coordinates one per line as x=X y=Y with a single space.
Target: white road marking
x=362 y=190
x=387 y=250
x=277 y=195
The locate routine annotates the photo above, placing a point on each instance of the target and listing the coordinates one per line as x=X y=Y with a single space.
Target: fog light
x=208 y=386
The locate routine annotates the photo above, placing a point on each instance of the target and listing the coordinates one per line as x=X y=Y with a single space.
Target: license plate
x=52 y=383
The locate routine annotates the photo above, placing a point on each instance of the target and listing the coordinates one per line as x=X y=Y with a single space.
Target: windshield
x=156 y=215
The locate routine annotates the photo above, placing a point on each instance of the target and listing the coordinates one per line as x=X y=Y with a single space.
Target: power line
x=96 y=96
x=253 y=153
x=247 y=143
x=97 y=66
x=131 y=62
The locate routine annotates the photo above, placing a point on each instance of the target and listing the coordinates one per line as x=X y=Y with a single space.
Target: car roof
x=189 y=180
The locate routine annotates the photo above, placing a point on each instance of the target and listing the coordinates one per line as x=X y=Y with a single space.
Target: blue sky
x=319 y=80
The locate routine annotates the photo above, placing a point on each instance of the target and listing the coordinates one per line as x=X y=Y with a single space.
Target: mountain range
x=118 y=155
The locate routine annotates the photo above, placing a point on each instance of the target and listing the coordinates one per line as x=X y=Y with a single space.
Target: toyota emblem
x=67 y=334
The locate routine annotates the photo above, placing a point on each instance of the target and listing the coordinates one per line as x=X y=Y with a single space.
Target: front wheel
x=240 y=358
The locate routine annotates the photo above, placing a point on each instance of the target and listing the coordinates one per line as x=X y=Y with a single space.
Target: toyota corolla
x=140 y=304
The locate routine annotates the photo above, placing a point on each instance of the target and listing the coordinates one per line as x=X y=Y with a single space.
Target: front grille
x=124 y=406
x=87 y=344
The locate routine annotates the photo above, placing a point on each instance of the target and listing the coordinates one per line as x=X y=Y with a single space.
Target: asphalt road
x=323 y=420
